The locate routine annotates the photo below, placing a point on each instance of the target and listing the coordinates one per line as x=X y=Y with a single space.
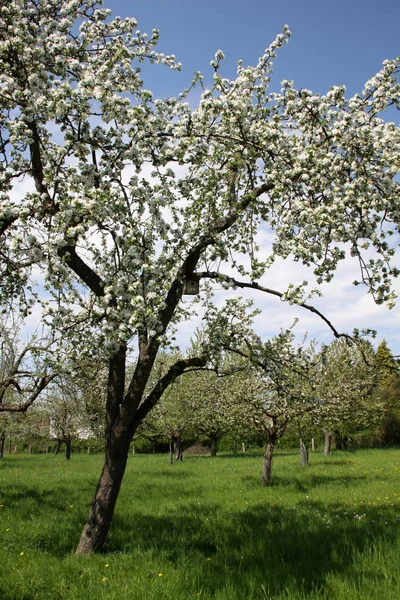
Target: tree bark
x=2 y=440
x=103 y=504
x=118 y=439
x=213 y=447
x=303 y=453
x=328 y=441
x=338 y=440
x=267 y=463
x=178 y=450
x=171 y=452
x=57 y=448
x=68 y=448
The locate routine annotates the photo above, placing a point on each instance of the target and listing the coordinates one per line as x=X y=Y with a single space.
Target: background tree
x=344 y=389
x=117 y=250
x=279 y=386
x=214 y=400
x=75 y=406
x=171 y=419
x=387 y=392
x=26 y=368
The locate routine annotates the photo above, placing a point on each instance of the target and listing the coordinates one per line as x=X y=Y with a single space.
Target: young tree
x=116 y=249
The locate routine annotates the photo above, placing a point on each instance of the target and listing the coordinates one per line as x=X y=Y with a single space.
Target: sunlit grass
x=205 y=528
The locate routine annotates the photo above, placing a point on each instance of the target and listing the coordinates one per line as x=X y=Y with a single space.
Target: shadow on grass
x=306 y=485
x=268 y=548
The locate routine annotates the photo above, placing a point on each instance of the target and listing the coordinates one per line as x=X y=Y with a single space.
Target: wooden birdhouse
x=191 y=286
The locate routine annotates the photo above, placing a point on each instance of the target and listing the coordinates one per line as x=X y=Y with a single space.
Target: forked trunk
x=267 y=463
x=124 y=415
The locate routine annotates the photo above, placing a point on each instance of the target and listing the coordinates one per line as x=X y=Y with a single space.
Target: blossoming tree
x=115 y=249
x=278 y=383
x=344 y=386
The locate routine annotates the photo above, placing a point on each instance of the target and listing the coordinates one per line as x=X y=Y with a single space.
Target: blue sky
x=335 y=43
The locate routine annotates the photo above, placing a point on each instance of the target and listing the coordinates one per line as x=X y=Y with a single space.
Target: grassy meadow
x=205 y=528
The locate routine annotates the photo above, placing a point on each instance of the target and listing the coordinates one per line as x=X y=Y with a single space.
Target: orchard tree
x=279 y=386
x=387 y=391
x=171 y=419
x=74 y=406
x=344 y=388
x=116 y=249
x=26 y=368
x=214 y=399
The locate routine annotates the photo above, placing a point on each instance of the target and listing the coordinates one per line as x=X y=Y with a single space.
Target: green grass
x=330 y=531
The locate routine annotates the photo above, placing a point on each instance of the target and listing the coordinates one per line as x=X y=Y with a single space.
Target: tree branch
x=43 y=383
x=172 y=374
x=256 y=286
x=82 y=270
x=189 y=265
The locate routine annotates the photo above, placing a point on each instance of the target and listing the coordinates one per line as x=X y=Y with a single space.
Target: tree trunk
x=2 y=440
x=171 y=452
x=179 y=450
x=124 y=413
x=57 y=448
x=328 y=441
x=338 y=440
x=234 y=449
x=267 y=463
x=303 y=453
x=213 y=447
x=103 y=504
x=68 y=448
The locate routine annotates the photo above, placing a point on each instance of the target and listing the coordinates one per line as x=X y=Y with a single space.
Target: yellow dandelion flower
x=21 y=553
x=71 y=506
x=104 y=579
x=8 y=529
x=208 y=558
x=107 y=565
x=160 y=574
